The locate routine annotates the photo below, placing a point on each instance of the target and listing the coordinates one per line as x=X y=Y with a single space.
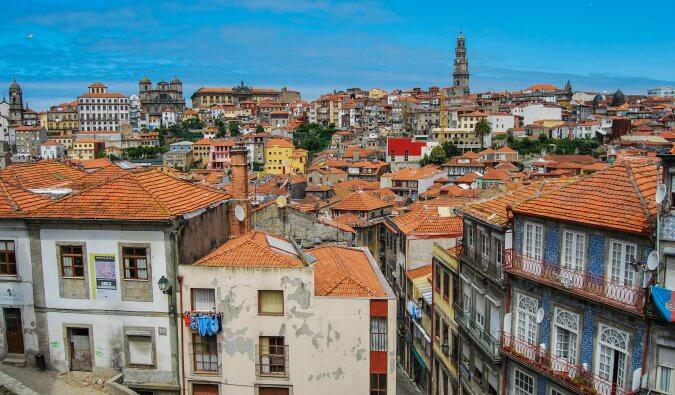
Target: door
x=14 y=331
x=80 y=349
x=204 y=389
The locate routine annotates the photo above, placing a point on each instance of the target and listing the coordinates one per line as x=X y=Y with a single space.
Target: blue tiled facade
x=592 y=312
x=596 y=255
x=552 y=251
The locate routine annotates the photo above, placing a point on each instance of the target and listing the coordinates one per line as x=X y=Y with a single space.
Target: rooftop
x=346 y=272
x=254 y=249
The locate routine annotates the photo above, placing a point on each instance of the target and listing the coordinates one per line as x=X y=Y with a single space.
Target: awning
x=423 y=287
x=419 y=359
x=664 y=300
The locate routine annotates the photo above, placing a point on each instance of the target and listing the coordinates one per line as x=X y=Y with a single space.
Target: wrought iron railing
x=485 y=340
x=486 y=266
x=570 y=375
x=591 y=286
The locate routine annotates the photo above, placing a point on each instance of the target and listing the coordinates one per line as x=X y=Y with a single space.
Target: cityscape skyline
x=271 y=44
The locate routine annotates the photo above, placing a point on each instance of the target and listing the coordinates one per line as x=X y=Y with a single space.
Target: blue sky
x=318 y=46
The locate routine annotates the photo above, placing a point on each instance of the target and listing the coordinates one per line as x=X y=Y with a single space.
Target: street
x=403 y=384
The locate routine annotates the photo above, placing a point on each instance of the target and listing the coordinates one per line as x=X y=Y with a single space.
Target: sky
x=325 y=45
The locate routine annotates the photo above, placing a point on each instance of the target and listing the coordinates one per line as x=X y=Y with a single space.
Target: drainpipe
x=181 y=373
x=433 y=324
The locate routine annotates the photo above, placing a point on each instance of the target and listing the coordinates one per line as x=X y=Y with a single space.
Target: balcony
x=485 y=341
x=593 y=287
x=571 y=376
x=488 y=267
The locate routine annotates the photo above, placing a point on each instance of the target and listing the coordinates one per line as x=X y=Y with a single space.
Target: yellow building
x=377 y=93
x=86 y=149
x=278 y=157
x=299 y=161
x=201 y=150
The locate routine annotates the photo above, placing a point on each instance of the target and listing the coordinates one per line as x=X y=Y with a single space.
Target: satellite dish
x=660 y=193
x=239 y=213
x=653 y=260
x=282 y=201
x=540 y=315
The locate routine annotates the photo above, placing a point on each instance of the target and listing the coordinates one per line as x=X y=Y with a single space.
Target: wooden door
x=204 y=389
x=14 y=331
x=80 y=349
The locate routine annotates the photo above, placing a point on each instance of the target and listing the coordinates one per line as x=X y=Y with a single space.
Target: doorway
x=13 y=330
x=80 y=349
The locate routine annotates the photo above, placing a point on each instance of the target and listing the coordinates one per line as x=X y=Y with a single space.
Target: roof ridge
x=633 y=183
x=345 y=274
x=155 y=198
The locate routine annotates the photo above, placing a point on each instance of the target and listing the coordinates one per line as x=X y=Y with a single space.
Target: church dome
x=618 y=98
x=175 y=80
x=145 y=80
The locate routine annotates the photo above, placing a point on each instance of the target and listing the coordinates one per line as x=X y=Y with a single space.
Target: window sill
x=10 y=278
x=206 y=373
x=271 y=314
x=136 y=279
x=73 y=277
x=139 y=366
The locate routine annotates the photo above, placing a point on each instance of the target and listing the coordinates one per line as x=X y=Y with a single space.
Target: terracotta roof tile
x=254 y=249
x=14 y=201
x=341 y=271
x=426 y=220
x=42 y=174
x=419 y=272
x=621 y=197
x=360 y=201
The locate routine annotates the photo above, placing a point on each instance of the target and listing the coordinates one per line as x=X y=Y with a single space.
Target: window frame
x=211 y=342
x=192 y=299
x=379 y=333
x=71 y=255
x=573 y=254
x=140 y=332
x=519 y=390
x=537 y=251
x=283 y=307
x=376 y=385
x=272 y=355
x=6 y=265
x=135 y=257
x=571 y=351
x=625 y=267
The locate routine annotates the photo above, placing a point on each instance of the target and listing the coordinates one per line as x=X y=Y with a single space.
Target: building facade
x=99 y=109
x=165 y=96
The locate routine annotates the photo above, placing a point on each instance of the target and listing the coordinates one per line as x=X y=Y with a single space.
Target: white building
x=135 y=113
x=4 y=122
x=169 y=118
x=501 y=122
x=101 y=253
x=664 y=91
x=99 y=109
x=52 y=149
x=538 y=112
x=292 y=323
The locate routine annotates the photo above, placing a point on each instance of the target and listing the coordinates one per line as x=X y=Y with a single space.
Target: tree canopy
x=313 y=137
x=528 y=146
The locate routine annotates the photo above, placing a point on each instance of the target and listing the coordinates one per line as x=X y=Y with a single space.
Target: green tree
x=312 y=137
x=482 y=129
x=259 y=129
x=425 y=160
x=437 y=155
x=222 y=129
x=450 y=149
x=233 y=127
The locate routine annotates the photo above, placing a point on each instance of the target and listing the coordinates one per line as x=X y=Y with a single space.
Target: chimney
x=239 y=191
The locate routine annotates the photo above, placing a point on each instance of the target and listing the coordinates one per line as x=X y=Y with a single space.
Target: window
x=135 y=263
x=203 y=299
x=72 y=261
x=378 y=383
x=622 y=256
x=7 y=257
x=205 y=353
x=378 y=333
x=565 y=335
x=574 y=246
x=270 y=302
x=534 y=241
x=484 y=246
x=523 y=383
x=140 y=350
x=469 y=235
x=611 y=356
x=437 y=277
x=480 y=310
x=446 y=285
x=664 y=379
x=526 y=324
x=499 y=252
x=272 y=356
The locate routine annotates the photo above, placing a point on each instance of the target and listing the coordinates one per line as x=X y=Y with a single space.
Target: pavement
x=404 y=385
x=52 y=383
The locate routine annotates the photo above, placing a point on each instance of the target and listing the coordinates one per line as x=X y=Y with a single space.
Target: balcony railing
x=272 y=364
x=485 y=341
x=593 y=287
x=572 y=376
x=487 y=266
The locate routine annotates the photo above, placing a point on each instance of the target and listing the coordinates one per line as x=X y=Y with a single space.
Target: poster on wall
x=105 y=276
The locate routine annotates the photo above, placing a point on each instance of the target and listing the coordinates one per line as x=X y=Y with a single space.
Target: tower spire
x=460 y=71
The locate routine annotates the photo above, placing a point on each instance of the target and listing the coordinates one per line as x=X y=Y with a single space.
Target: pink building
x=219 y=156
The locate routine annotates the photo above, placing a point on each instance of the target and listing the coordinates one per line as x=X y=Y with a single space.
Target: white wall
x=537 y=112
x=328 y=339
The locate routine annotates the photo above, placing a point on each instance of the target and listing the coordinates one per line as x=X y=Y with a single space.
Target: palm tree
x=482 y=129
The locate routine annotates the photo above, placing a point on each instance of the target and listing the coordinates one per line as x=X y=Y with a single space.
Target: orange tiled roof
x=95 y=178
x=411 y=173
x=254 y=249
x=42 y=174
x=422 y=271
x=360 y=201
x=621 y=197
x=341 y=271
x=281 y=143
x=425 y=220
x=138 y=195
x=15 y=200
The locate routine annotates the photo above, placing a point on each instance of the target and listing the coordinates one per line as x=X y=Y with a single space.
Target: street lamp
x=163 y=285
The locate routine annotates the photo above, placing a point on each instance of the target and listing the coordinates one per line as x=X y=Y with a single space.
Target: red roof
x=398 y=146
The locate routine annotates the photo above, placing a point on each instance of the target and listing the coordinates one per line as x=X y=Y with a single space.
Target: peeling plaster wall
x=328 y=338
x=17 y=291
x=419 y=250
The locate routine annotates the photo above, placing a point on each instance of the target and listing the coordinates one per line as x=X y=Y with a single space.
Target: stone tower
x=15 y=103
x=460 y=71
